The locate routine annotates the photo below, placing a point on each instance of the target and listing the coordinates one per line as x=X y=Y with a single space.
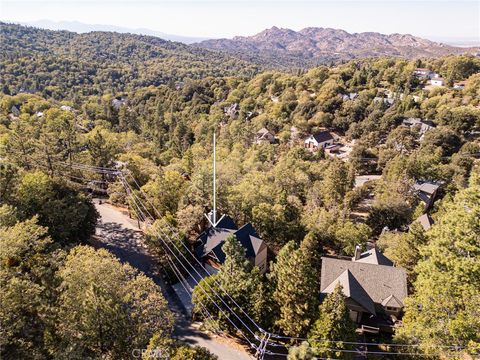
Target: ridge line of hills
x=314 y=45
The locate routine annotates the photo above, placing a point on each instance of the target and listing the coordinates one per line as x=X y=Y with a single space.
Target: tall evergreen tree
x=296 y=290
x=444 y=308
x=332 y=324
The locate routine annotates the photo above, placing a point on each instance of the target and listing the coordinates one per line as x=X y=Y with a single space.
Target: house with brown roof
x=375 y=289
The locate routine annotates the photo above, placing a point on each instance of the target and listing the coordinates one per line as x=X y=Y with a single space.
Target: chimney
x=358 y=252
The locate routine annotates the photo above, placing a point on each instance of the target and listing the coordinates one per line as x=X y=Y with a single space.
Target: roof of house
x=352 y=289
x=226 y=222
x=263 y=133
x=426 y=187
x=373 y=256
x=426 y=221
x=322 y=136
x=414 y=121
x=392 y=301
x=213 y=238
x=378 y=281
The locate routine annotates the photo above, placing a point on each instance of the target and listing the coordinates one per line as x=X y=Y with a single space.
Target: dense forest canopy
x=151 y=107
x=65 y=64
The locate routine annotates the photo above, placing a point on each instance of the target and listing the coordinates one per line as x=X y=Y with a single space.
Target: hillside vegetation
x=62 y=63
x=303 y=204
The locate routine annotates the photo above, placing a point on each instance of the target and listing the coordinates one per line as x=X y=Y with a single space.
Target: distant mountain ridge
x=314 y=45
x=80 y=27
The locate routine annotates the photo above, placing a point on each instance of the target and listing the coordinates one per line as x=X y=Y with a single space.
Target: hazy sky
x=208 y=18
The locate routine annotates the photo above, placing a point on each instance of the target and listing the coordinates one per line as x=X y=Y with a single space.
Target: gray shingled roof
x=392 y=301
x=425 y=221
x=352 y=289
x=426 y=187
x=323 y=136
x=373 y=256
x=378 y=281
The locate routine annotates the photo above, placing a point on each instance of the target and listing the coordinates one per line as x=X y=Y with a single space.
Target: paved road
x=121 y=235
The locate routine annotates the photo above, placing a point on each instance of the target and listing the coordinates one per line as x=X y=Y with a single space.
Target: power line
x=195 y=258
x=134 y=197
x=178 y=274
x=201 y=288
x=194 y=269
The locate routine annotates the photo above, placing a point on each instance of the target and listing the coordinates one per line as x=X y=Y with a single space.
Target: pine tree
x=301 y=352
x=444 y=308
x=333 y=324
x=239 y=279
x=296 y=290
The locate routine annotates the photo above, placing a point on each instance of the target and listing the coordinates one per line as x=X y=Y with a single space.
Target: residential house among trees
x=426 y=192
x=385 y=101
x=425 y=221
x=374 y=287
x=423 y=73
x=319 y=141
x=263 y=135
x=460 y=85
x=424 y=125
x=208 y=246
x=437 y=81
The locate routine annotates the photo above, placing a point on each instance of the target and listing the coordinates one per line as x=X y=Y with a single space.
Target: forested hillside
x=109 y=101
x=65 y=64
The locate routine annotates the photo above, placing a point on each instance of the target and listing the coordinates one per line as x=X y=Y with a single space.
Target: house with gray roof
x=422 y=125
x=319 y=141
x=426 y=191
x=374 y=287
x=208 y=246
x=372 y=256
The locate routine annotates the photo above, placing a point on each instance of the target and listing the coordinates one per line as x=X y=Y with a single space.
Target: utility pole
x=214 y=214
x=261 y=349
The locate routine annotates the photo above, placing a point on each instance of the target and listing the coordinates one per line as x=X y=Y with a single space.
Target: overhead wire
x=195 y=270
x=194 y=257
x=254 y=346
x=132 y=195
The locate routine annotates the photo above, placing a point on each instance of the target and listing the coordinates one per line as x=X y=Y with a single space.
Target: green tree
x=28 y=260
x=444 y=307
x=69 y=215
x=296 y=290
x=404 y=248
x=106 y=308
x=332 y=324
x=335 y=184
x=348 y=235
x=301 y=352
x=239 y=279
